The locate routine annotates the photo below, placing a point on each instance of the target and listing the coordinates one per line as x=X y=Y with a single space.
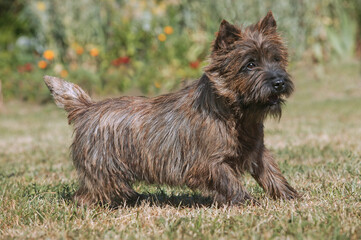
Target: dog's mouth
x=273 y=99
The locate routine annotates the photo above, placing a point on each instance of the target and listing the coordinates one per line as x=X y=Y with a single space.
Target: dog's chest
x=249 y=139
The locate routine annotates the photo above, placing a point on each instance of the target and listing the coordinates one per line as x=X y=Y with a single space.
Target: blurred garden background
x=112 y=46
x=149 y=47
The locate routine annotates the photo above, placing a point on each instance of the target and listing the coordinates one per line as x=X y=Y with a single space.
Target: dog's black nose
x=279 y=85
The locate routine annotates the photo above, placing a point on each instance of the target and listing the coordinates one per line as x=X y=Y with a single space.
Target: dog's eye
x=277 y=59
x=250 y=66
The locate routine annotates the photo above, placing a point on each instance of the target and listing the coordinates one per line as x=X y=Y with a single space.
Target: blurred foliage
x=110 y=46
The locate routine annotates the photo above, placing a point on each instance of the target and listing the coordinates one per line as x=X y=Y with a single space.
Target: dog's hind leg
x=224 y=181
x=104 y=188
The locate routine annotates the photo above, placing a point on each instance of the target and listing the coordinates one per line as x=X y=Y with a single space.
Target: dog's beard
x=260 y=109
x=274 y=110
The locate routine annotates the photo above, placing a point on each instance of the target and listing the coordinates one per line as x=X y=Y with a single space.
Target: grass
x=316 y=143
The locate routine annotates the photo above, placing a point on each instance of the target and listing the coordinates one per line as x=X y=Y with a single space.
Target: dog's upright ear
x=267 y=24
x=226 y=35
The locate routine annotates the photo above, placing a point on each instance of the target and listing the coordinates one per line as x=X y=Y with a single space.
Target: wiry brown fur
x=204 y=136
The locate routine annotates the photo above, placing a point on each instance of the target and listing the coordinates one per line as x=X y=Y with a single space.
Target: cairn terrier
x=204 y=136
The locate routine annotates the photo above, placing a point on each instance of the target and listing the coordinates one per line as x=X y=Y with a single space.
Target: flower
x=121 y=60
x=63 y=73
x=194 y=64
x=40 y=6
x=94 y=52
x=27 y=67
x=168 y=30
x=124 y=60
x=79 y=50
x=42 y=64
x=49 y=55
x=157 y=84
x=159 y=9
x=162 y=37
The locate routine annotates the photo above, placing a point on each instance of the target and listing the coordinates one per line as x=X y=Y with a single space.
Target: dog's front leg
x=269 y=176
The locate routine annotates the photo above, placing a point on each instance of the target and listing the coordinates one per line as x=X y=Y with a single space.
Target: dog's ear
x=267 y=24
x=226 y=35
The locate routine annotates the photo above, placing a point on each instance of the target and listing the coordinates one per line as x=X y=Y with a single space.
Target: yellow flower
x=160 y=9
x=48 y=54
x=162 y=37
x=157 y=84
x=79 y=50
x=63 y=73
x=40 y=6
x=94 y=52
x=168 y=30
x=42 y=64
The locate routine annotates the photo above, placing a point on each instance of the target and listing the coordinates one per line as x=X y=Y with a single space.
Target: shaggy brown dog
x=204 y=136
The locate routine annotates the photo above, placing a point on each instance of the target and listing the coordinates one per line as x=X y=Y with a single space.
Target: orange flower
x=42 y=64
x=168 y=30
x=63 y=73
x=49 y=55
x=162 y=37
x=94 y=52
x=157 y=84
x=79 y=50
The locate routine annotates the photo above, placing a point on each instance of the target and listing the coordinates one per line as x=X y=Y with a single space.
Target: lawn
x=317 y=144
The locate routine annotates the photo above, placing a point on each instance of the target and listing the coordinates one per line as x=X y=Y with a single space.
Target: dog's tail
x=68 y=96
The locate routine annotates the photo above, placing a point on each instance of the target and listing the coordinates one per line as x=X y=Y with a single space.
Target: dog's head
x=249 y=66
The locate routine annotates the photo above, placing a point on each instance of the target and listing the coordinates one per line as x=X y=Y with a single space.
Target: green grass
x=317 y=144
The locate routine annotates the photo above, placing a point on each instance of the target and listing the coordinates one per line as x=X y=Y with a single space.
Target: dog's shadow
x=159 y=198
x=65 y=192
x=162 y=199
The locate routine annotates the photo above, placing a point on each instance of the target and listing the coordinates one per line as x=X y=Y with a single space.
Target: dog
x=204 y=136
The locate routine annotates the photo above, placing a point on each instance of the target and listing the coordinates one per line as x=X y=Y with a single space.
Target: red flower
x=27 y=67
x=194 y=64
x=121 y=60
x=124 y=60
